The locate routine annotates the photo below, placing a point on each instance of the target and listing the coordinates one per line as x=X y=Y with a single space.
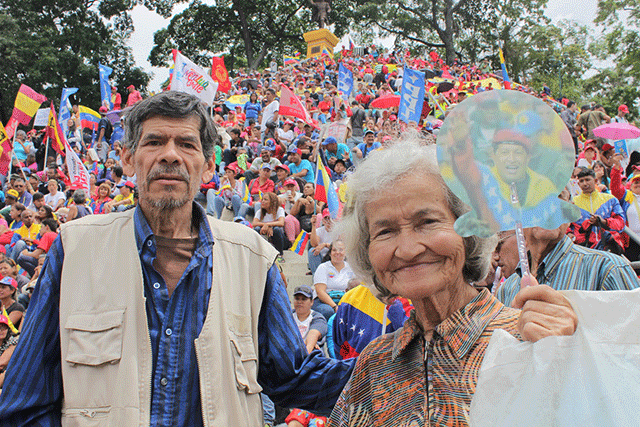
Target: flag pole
x=46 y=151
x=13 y=153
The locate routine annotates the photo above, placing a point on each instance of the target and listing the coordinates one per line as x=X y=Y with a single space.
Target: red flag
x=54 y=132
x=290 y=105
x=219 y=74
x=25 y=107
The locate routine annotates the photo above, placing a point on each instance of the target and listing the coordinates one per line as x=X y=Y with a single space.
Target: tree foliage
x=49 y=45
x=250 y=31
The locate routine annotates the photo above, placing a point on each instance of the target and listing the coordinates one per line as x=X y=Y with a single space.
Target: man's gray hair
x=381 y=169
x=177 y=105
x=79 y=197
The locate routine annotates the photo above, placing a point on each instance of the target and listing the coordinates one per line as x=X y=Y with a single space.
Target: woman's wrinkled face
x=413 y=249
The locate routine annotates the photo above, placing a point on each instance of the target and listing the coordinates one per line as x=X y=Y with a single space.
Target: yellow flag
x=13 y=328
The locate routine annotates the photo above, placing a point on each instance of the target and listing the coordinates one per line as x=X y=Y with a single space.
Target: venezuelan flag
x=88 y=117
x=245 y=191
x=290 y=60
x=505 y=77
x=300 y=243
x=325 y=190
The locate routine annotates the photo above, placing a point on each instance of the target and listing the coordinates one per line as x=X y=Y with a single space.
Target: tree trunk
x=447 y=35
x=256 y=62
x=246 y=33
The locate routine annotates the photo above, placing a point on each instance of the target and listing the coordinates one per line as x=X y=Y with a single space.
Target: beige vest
x=104 y=337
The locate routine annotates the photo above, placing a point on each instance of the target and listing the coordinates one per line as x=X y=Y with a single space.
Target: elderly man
x=120 y=344
x=266 y=157
x=558 y=262
x=24 y=196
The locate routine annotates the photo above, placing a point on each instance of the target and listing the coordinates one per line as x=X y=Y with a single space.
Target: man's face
x=333 y=147
x=511 y=161
x=368 y=138
x=125 y=191
x=302 y=304
x=635 y=186
x=507 y=253
x=19 y=187
x=587 y=184
x=169 y=163
x=266 y=156
x=607 y=157
x=281 y=174
x=38 y=203
x=27 y=217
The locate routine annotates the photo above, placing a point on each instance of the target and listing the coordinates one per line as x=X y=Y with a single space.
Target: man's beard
x=166 y=203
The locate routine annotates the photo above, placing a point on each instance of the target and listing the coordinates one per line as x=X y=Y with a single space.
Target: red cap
x=290 y=181
x=623 y=108
x=507 y=136
x=607 y=147
x=103 y=109
x=284 y=167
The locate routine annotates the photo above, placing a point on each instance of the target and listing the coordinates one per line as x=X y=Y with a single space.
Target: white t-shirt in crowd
x=269 y=217
x=324 y=236
x=303 y=326
x=268 y=112
x=52 y=201
x=334 y=279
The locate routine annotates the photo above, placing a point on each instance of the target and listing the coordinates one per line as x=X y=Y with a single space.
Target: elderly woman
x=398 y=228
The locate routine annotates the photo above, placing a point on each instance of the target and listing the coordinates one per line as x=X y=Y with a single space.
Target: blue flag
x=105 y=87
x=412 y=96
x=65 y=106
x=345 y=81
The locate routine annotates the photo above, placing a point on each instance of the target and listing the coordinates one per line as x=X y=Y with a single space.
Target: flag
x=290 y=60
x=290 y=105
x=411 y=96
x=351 y=45
x=88 y=118
x=298 y=246
x=326 y=52
x=25 y=107
x=345 y=81
x=105 y=87
x=3 y=138
x=5 y=150
x=325 y=190
x=296 y=53
x=11 y=325
x=78 y=174
x=506 y=81
x=245 y=191
x=65 y=111
x=219 y=74
x=192 y=79
x=54 y=132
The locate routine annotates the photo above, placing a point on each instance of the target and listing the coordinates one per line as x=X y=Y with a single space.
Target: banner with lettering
x=412 y=96
x=190 y=78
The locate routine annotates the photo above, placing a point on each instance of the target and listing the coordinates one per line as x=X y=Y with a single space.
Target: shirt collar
x=551 y=260
x=144 y=234
x=460 y=330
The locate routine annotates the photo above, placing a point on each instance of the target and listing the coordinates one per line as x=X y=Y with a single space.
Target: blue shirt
x=366 y=150
x=570 y=266
x=340 y=151
x=304 y=164
x=32 y=392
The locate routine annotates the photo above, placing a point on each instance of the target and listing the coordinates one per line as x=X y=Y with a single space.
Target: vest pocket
x=95 y=338
x=246 y=363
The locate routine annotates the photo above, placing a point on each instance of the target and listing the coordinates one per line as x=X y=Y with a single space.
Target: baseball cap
x=607 y=147
x=290 y=181
x=507 y=136
x=369 y=131
x=623 y=108
x=126 y=184
x=283 y=167
x=325 y=212
x=303 y=290
x=634 y=177
x=103 y=109
x=13 y=193
x=266 y=166
x=329 y=140
x=9 y=281
x=231 y=167
x=294 y=150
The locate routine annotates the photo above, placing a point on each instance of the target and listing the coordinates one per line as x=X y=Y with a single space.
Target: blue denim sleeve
x=289 y=375
x=32 y=390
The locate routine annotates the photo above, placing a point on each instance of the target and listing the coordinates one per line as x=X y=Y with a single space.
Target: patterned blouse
x=401 y=381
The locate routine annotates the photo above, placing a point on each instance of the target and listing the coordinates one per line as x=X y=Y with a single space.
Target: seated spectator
x=115 y=153
x=331 y=280
x=122 y=200
x=261 y=185
x=79 y=207
x=37 y=201
x=54 y=198
x=286 y=135
x=25 y=236
x=15 y=213
x=14 y=310
x=320 y=240
x=288 y=200
x=103 y=197
x=339 y=169
x=305 y=207
x=590 y=154
x=11 y=197
x=299 y=167
x=231 y=195
x=266 y=157
x=282 y=175
x=269 y=222
x=44 y=212
x=29 y=259
x=333 y=151
x=313 y=327
x=602 y=218
x=8 y=343
x=371 y=318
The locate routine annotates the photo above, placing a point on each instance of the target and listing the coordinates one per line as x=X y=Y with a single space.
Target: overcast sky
x=146 y=23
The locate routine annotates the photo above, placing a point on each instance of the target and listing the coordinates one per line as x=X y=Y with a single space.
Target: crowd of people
x=263 y=175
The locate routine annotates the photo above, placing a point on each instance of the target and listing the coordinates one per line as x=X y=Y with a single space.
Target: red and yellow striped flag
x=27 y=103
x=54 y=132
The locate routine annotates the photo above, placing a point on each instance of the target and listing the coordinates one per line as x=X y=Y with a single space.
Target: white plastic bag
x=591 y=378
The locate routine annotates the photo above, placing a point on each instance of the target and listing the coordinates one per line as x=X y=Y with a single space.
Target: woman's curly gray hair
x=382 y=169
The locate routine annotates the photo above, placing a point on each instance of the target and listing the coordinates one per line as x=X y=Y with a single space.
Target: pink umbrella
x=386 y=101
x=617 y=131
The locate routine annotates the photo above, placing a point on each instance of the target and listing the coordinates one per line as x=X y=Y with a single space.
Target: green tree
x=55 y=44
x=250 y=31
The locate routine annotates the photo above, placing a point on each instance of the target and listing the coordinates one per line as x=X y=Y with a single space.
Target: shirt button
x=168 y=332
x=164 y=381
x=149 y=243
x=156 y=285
